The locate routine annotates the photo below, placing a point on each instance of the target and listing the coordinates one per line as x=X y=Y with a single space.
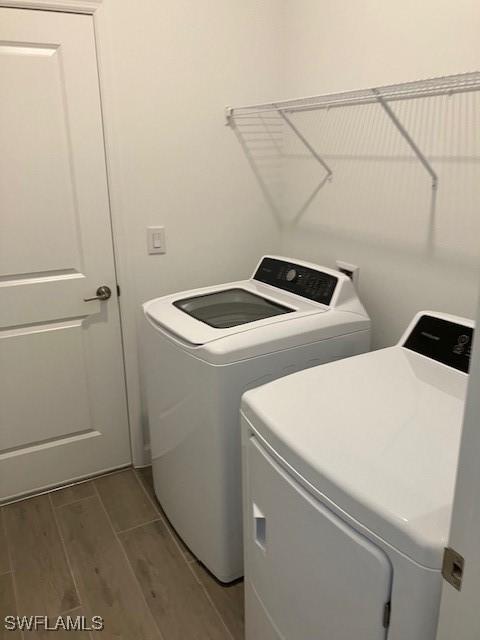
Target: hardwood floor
x=104 y=548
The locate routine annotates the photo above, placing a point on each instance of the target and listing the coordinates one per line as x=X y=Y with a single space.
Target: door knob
x=103 y=293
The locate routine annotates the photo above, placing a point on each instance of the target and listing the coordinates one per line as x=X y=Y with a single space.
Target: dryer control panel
x=302 y=281
x=442 y=340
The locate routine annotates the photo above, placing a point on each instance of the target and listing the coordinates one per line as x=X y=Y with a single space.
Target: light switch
x=156 y=240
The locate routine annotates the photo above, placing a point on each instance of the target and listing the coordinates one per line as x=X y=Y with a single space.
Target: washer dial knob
x=291 y=275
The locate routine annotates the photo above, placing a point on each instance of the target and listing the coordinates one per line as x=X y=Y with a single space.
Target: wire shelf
x=278 y=113
x=446 y=85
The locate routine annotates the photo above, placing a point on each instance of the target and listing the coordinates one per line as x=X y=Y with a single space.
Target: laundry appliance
x=202 y=350
x=349 y=471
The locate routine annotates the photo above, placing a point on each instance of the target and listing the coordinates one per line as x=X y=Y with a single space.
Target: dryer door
x=308 y=575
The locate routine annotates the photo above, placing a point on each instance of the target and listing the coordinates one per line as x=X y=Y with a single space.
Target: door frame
x=127 y=302
x=459 y=615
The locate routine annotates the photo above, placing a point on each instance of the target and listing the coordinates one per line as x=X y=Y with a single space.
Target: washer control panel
x=302 y=281
x=442 y=340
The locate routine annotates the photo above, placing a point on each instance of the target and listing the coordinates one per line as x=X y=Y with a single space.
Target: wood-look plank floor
x=4 y=557
x=72 y=494
x=8 y=606
x=146 y=478
x=105 y=548
x=45 y=585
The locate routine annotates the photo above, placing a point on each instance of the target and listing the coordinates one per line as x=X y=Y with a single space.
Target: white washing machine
x=349 y=473
x=203 y=349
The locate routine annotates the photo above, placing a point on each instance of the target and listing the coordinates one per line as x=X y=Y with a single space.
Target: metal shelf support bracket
x=412 y=144
x=305 y=142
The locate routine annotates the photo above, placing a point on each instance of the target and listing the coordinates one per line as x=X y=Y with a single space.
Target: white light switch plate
x=156 y=240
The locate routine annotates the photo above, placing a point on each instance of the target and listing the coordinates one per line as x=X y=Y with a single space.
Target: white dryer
x=203 y=349
x=349 y=473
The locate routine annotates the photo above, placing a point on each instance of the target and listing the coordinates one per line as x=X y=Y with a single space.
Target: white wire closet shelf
x=444 y=85
x=383 y=96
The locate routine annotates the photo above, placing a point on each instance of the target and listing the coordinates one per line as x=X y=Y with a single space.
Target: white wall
x=168 y=69
x=376 y=212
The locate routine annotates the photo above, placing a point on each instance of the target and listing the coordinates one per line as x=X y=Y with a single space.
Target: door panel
x=48 y=351
x=62 y=399
x=309 y=576
x=38 y=203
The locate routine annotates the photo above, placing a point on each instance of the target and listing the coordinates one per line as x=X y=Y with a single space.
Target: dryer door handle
x=260 y=528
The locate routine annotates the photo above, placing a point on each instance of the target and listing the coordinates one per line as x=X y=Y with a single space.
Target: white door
x=460 y=610
x=62 y=391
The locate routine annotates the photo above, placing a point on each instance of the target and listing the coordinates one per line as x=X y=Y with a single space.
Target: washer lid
x=378 y=435
x=203 y=315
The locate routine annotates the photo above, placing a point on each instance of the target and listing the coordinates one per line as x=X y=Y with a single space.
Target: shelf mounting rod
x=417 y=151
x=307 y=144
